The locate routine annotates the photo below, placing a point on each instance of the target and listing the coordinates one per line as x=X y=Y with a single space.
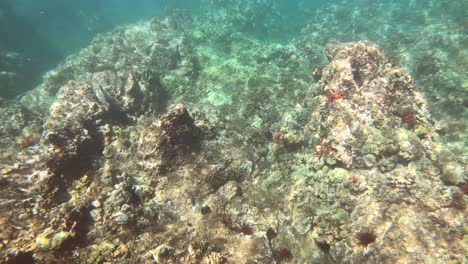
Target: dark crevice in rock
x=357 y=75
x=78 y=222
x=21 y=257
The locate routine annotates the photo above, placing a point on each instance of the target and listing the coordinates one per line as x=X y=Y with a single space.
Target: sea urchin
x=366 y=237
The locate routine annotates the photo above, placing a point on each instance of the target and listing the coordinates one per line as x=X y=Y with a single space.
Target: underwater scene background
x=233 y=131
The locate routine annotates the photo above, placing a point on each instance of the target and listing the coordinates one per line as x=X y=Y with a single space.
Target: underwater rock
x=169 y=139
x=432 y=49
x=72 y=129
x=288 y=169
x=364 y=98
x=375 y=124
x=452 y=173
x=127 y=93
x=50 y=240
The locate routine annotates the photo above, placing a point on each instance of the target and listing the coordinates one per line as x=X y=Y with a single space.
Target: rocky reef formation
x=368 y=107
x=426 y=37
x=151 y=146
x=372 y=186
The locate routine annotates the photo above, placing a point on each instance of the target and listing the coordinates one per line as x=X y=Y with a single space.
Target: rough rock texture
x=153 y=51
x=370 y=113
x=168 y=140
x=157 y=151
x=380 y=127
x=426 y=37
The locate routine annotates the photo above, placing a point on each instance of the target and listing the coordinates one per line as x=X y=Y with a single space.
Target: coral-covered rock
x=432 y=49
x=273 y=163
x=375 y=99
x=81 y=108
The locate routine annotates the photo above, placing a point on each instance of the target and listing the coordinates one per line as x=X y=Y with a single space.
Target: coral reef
x=428 y=38
x=373 y=96
x=155 y=145
x=358 y=189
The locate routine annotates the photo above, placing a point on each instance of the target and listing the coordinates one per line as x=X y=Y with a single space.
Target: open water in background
x=44 y=32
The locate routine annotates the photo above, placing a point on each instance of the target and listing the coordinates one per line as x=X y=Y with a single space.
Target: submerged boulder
x=373 y=126
x=370 y=111
x=72 y=131
x=166 y=142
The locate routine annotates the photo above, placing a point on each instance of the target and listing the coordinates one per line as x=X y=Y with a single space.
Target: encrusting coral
x=157 y=148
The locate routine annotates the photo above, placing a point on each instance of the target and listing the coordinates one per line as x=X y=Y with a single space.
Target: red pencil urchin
x=226 y=220
x=335 y=95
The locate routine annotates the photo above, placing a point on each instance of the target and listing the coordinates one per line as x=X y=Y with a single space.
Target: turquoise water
x=44 y=32
x=427 y=37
